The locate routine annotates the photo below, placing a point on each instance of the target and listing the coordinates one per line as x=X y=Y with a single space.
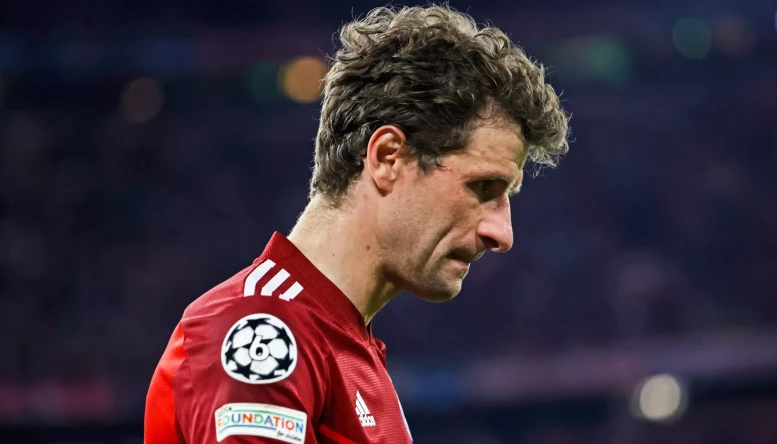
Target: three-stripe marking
x=366 y=419
x=361 y=407
x=249 y=288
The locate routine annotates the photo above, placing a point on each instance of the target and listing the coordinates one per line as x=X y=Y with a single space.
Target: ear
x=385 y=156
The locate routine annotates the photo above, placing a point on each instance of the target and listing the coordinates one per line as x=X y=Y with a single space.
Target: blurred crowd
x=660 y=223
x=735 y=422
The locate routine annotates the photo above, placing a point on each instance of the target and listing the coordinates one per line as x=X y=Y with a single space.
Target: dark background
x=148 y=151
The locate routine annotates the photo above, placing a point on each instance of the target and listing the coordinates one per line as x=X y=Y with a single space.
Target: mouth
x=461 y=257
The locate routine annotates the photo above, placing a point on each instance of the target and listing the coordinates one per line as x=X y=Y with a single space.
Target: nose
x=495 y=230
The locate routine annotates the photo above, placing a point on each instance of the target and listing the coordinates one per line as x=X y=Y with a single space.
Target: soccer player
x=426 y=125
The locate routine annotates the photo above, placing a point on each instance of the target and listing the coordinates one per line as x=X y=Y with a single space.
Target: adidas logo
x=366 y=419
x=249 y=287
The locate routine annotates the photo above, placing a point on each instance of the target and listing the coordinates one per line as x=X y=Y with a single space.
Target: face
x=435 y=223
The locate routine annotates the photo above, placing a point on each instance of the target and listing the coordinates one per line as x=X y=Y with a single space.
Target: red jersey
x=277 y=353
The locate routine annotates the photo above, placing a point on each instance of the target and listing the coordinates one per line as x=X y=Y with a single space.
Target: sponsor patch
x=267 y=421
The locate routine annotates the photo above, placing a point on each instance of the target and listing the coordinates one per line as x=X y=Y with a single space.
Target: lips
x=465 y=256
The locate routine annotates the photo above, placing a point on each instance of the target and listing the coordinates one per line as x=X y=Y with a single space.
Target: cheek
x=426 y=214
x=404 y=222
x=465 y=209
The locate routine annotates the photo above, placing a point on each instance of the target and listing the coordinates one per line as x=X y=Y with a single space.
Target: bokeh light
x=659 y=398
x=142 y=100
x=301 y=79
x=608 y=59
x=262 y=81
x=692 y=38
x=734 y=36
x=583 y=59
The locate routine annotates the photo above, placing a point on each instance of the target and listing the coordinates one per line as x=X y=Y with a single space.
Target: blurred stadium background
x=148 y=151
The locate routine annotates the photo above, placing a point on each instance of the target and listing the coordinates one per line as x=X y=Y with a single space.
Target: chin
x=432 y=286
x=438 y=294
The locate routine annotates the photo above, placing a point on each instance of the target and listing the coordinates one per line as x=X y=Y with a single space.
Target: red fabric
x=336 y=357
x=334 y=436
x=159 y=421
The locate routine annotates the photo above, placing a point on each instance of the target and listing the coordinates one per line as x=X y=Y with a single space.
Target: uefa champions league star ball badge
x=259 y=349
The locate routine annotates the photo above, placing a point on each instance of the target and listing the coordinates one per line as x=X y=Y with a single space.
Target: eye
x=484 y=186
x=486 y=189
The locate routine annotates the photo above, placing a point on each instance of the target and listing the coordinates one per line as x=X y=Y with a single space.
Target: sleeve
x=255 y=374
x=159 y=425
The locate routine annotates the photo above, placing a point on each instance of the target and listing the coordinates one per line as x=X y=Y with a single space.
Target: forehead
x=496 y=145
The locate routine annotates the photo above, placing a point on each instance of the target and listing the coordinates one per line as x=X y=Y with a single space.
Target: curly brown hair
x=432 y=72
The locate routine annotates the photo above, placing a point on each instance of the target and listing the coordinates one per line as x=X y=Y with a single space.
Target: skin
x=403 y=229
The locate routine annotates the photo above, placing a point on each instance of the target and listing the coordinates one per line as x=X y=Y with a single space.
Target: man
x=426 y=125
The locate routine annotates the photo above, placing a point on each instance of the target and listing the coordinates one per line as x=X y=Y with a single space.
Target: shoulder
x=264 y=296
x=264 y=287
x=245 y=347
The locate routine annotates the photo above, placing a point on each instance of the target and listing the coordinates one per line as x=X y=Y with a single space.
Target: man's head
x=428 y=121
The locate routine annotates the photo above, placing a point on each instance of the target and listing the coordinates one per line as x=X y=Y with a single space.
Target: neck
x=341 y=243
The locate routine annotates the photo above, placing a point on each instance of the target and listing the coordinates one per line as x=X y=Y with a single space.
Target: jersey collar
x=328 y=296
